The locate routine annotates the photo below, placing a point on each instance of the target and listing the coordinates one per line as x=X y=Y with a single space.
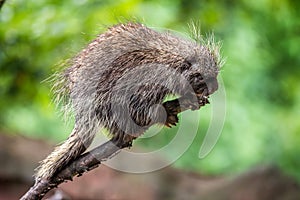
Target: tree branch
x=84 y=163
x=93 y=158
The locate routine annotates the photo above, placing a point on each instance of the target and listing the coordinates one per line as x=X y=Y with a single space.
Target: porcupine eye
x=185 y=66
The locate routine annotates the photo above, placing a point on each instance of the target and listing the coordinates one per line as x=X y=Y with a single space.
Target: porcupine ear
x=194 y=29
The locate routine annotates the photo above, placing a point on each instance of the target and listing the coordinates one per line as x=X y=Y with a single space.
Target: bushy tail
x=64 y=153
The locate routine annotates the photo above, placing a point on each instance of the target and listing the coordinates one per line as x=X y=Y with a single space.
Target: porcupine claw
x=205 y=100
x=172 y=119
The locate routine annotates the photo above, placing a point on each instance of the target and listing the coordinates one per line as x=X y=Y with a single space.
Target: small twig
x=92 y=159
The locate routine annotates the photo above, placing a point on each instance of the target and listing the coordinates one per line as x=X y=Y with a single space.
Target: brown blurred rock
x=19 y=156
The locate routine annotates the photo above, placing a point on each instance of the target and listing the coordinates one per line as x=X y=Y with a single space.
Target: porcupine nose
x=212 y=85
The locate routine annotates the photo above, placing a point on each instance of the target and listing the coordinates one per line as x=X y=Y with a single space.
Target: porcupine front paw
x=172 y=109
x=172 y=120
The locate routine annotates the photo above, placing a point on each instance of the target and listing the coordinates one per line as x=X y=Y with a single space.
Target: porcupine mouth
x=202 y=95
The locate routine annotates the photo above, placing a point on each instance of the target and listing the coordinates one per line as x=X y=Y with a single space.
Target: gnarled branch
x=85 y=162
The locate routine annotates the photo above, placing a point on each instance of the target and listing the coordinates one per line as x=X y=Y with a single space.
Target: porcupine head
x=120 y=80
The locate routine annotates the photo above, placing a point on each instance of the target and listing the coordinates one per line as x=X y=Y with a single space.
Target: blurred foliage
x=261 y=41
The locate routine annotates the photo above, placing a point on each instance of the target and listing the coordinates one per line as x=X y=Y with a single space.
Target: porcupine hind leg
x=122 y=140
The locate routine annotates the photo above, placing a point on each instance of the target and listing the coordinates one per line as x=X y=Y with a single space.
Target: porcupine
x=119 y=80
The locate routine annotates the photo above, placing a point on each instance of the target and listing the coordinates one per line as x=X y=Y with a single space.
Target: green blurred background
x=261 y=43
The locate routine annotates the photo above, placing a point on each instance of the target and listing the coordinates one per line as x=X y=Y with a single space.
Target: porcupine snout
x=211 y=84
